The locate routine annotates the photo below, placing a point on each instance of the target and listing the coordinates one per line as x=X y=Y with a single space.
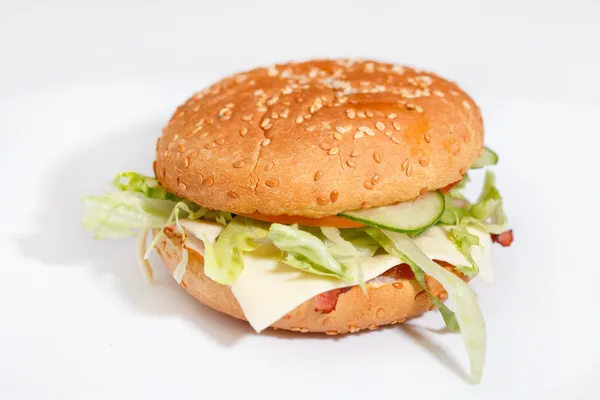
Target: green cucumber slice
x=486 y=159
x=407 y=217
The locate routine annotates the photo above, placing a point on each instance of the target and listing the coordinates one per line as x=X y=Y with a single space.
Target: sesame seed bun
x=317 y=138
x=386 y=303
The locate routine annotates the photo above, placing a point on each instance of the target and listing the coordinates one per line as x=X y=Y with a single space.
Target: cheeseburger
x=323 y=196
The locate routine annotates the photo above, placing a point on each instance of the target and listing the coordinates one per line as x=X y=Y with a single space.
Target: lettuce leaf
x=487 y=213
x=388 y=245
x=122 y=214
x=306 y=251
x=224 y=261
x=352 y=252
x=467 y=312
x=464 y=240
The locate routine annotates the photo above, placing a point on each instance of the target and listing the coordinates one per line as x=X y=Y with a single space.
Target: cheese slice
x=267 y=289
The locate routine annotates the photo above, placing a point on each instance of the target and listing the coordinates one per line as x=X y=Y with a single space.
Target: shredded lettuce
x=464 y=240
x=487 y=213
x=306 y=251
x=388 y=245
x=224 y=261
x=350 y=254
x=467 y=312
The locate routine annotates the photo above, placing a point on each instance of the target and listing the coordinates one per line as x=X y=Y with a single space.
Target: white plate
x=84 y=94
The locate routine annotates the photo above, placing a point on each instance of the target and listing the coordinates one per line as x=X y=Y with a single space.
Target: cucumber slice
x=407 y=217
x=486 y=159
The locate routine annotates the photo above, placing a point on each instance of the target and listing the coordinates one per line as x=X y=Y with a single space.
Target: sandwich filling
x=275 y=263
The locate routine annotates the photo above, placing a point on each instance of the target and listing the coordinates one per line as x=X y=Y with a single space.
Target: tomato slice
x=447 y=188
x=333 y=221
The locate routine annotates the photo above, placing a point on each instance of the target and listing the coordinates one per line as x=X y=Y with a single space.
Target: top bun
x=318 y=138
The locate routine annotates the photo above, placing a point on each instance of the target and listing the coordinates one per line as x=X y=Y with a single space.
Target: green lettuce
x=464 y=240
x=306 y=251
x=467 y=315
x=224 y=261
x=487 y=213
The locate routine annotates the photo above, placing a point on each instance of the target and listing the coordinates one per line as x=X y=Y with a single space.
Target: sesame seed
x=220 y=140
x=272 y=183
x=274 y=115
x=303 y=330
x=180 y=148
x=210 y=145
x=318 y=175
x=438 y=93
x=295 y=329
x=465 y=139
x=358 y=135
x=186 y=162
x=424 y=161
x=351 y=164
x=247 y=117
x=299 y=120
x=419 y=108
x=368 y=185
x=273 y=100
x=353 y=329
x=354 y=153
x=182 y=185
x=266 y=123
x=350 y=113
x=375 y=179
x=372 y=327
x=334 y=151
x=334 y=195
x=365 y=205
x=454 y=93
x=325 y=146
x=311 y=128
x=380 y=313
x=198 y=128
x=340 y=129
x=466 y=105
x=423 y=191
x=397 y=285
x=409 y=170
x=238 y=164
x=269 y=166
x=337 y=136
x=395 y=139
x=243 y=131
x=409 y=106
x=427 y=137
x=404 y=164
x=233 y=195
x=322 y=200
x=377 y=157
x=265 y=142
x=164 y=155
x=361 y=114
x=397 y=125
x=193 y=154
x=380 y=125
x=369 y=114
x=209 y=182
x=391 y=115
x=388 y=133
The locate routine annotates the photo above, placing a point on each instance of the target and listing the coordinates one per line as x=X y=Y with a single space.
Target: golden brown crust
x=318 y=138
x=385 y=304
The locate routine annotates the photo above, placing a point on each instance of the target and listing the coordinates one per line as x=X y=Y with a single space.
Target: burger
x=322 y=196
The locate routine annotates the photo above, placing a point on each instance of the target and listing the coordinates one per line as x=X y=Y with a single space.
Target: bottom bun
x=386 y=303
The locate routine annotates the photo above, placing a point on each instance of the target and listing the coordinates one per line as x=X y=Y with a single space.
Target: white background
x=85 y=88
